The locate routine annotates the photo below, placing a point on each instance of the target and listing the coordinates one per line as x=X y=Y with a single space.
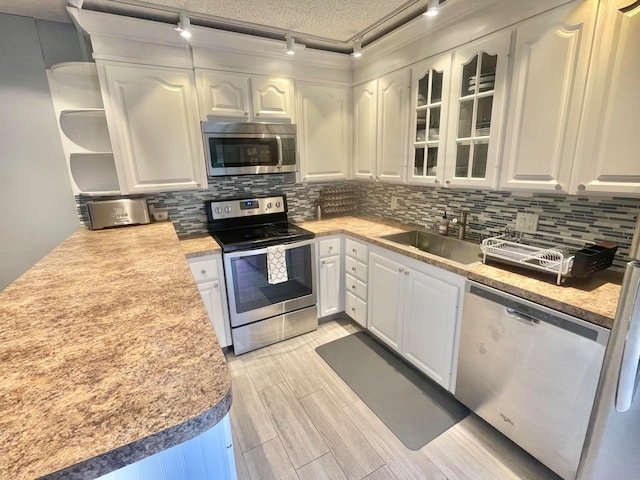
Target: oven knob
x=227 y=209
x=277 y=204
x=218 y=210
x=269 y=205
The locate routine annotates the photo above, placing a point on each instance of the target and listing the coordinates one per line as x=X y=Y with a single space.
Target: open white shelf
x=77 y=100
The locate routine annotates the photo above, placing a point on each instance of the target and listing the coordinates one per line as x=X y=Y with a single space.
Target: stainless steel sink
x=453 y=249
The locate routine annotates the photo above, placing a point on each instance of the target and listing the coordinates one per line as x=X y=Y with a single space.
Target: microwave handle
x=279 y=140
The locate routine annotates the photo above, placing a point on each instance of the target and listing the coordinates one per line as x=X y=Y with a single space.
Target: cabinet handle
x=246 y=114
x=258 y=114
x=447 y=181
x=353 y=269
x=582 y=187
x=203 y=271
x=436 y=181
x=331 y=248
x=558 y=186
x=215 y=285
x=353 y=286
x=354 y=250
x=353 y=309
x=401 y=270
x=324 y=263
x=406 y=272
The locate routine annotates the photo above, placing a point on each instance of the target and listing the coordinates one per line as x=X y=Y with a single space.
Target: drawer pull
x=354 y=250
x=353 y=286
x=215 y=285
x=203 y=271
x=353 y=309
x=353 y=269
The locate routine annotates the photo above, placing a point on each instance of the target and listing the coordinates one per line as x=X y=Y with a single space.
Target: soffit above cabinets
x=330 y=25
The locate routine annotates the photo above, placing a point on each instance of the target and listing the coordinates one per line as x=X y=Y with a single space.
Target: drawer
x=355 y=268
x=356 y=308
x=357 y=250
x=329 y=247
x=206 y=269
x=356 y=286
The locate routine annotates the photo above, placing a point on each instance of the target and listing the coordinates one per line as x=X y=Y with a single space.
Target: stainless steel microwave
x=249 y=148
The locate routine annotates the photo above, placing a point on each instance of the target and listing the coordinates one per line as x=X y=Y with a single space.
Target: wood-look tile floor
x=294 y=418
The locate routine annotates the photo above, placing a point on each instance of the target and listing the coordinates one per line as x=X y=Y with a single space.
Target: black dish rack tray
x=336 y=201
x=569 y=258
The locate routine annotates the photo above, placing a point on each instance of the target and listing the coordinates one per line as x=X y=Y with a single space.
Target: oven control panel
x=247 y=207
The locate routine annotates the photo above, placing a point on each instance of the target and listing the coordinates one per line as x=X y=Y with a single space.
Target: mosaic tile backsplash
x=584 y=218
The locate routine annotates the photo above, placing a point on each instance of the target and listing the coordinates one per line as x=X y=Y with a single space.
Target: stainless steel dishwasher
x=531 y=372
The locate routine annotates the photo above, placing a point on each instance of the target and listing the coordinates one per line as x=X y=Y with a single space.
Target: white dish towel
x=277 y=264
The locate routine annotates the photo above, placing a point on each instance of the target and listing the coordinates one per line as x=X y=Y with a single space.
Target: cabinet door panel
x=324 y=132
x=154 y=124
x=476 y=118
x=272 y=98
x=222 y=95
x=329 y=286
x=429 y=325
x=609 y=161
x=385 y=299
x=212 y=296
x=393 y=125
x=551 y=61
x=428 y=130
x=365 y=114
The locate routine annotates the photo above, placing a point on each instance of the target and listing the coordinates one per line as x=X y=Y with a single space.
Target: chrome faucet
x=461 y=223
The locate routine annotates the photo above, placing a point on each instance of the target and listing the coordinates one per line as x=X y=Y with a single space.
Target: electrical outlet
x=394 y=202
x=526 y=222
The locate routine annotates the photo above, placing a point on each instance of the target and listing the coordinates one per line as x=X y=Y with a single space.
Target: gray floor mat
x=415 y=408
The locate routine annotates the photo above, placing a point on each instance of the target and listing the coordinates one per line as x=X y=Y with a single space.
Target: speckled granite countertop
x=107 y=355
x=199 y=245
x=594 y=300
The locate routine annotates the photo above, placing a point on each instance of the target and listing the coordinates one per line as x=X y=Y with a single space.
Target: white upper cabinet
x=608 y=160
x=429 y=100
x=365 y=114
x=393 y=125
x=238 y=97
x=324 y=131
x=272 y=98
x=381 y=127
x=550 y=70
x=477 y=103
x=154 y=126
x=223 y=94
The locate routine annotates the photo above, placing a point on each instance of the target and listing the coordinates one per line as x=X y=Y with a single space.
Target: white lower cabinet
x=208 y=273
x=355 y=280
x=415 y=309
x=209 y=456
x=386 y=278
x=329 y=276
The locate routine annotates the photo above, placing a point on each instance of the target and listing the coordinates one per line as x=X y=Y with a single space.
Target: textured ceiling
x=325 y=24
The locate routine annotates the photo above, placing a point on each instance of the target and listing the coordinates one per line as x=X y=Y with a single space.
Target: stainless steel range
x=269 y=267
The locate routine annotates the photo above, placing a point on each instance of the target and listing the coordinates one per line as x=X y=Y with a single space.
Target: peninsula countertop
x=107 y=355
x=594 y=299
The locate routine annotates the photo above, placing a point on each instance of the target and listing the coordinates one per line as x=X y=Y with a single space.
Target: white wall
x=37 y=207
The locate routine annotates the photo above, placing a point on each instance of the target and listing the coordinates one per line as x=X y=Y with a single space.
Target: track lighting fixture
x=184 y=26
x=357 y=48
x=291 y=43
x=432 y=9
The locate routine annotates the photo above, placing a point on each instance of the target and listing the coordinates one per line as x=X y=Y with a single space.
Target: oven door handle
x=279 y=142
x=260 y=251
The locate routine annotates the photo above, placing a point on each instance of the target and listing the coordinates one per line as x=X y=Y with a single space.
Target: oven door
x=253 y=298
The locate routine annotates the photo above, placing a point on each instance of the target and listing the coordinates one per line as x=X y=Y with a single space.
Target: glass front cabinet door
x=477 y=104
x=430 y=81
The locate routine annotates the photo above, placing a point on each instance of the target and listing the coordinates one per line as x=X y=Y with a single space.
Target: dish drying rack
x=545 y=254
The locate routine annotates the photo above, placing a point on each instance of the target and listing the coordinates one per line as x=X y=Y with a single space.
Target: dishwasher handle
x=523 y=317
x=536 y=314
